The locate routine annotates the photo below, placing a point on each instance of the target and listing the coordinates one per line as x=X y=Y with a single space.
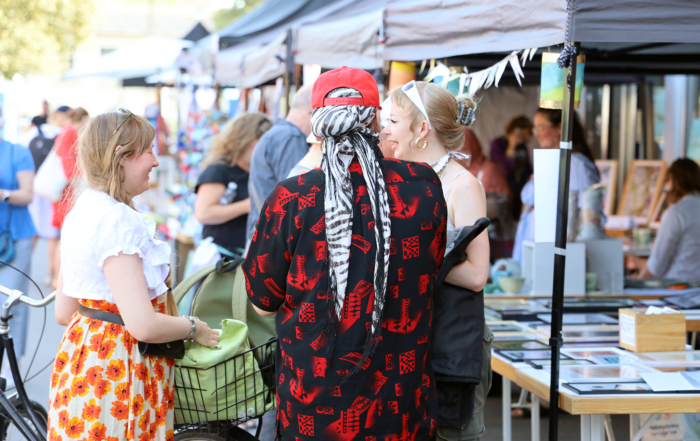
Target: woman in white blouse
x=102 y=387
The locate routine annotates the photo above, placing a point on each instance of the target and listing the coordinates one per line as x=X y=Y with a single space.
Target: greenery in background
x=39 y=36
x=226 y=16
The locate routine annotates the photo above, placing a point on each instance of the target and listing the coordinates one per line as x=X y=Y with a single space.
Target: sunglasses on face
x=129 y=114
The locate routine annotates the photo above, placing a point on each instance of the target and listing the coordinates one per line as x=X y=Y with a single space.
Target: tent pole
x=555 y=340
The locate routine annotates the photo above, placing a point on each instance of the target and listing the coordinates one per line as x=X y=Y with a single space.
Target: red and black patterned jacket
x=393 y=396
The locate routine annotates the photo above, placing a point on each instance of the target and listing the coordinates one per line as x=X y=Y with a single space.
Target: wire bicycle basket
x=228 y=393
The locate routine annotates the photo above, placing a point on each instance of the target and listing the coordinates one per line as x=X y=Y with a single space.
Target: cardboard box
x=640 y=332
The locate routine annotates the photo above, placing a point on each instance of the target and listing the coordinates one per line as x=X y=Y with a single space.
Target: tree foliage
x=38 y=36
x=226 y=16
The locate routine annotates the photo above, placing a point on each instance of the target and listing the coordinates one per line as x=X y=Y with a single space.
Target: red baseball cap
x=357 y=79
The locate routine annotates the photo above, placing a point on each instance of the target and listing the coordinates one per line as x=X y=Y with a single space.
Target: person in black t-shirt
x=223 y=204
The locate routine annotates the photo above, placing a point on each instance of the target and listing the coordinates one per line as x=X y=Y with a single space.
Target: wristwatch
x=6 y=195
x=194 y=328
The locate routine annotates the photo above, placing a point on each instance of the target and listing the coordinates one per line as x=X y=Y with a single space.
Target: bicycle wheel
x=12 y=432
x=206 y=433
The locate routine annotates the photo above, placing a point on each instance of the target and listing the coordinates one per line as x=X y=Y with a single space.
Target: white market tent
x=363 y=33
x=141 y=58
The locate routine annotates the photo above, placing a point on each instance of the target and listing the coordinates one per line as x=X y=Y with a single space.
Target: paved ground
x=38 y=388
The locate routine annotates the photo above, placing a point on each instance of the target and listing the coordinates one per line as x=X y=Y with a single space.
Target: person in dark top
x=348 y=256
x=278 y=152
x=222 y=203
x=510 y=152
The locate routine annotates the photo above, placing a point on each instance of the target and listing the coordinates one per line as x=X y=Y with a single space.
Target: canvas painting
x=661 y=206
x=608 y=180
x=643 y=187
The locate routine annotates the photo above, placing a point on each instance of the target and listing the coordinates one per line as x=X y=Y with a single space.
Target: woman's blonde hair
x=78 y=114
x=100 y=162
x=226 y=147
x=443 y=111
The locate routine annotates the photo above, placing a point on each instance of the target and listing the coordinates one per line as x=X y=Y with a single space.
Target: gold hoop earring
x=424 y=145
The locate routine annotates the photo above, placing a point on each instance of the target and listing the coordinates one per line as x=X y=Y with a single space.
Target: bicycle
x=245 y=393
x=19 y=410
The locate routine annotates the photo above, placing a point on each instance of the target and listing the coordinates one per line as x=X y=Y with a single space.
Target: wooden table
x=595 y=410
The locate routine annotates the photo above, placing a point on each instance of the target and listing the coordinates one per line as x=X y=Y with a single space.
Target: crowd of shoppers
x=345 y=226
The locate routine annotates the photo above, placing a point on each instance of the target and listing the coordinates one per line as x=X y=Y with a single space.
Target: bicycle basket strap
x=239 y=297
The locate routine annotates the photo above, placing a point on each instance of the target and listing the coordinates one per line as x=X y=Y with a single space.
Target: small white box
x=538 y=267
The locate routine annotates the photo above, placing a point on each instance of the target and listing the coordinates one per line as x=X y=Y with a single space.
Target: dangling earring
x=121 y=179
x=424 y=145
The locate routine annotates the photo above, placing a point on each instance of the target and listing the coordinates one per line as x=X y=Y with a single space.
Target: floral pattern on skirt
x=103 y=389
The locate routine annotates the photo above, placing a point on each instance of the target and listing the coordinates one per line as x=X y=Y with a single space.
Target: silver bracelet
x=194 y=328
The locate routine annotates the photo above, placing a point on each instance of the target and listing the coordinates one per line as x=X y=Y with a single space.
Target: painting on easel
x=643 y=187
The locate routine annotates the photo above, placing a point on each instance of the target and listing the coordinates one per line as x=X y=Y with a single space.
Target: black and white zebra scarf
x=347 y=136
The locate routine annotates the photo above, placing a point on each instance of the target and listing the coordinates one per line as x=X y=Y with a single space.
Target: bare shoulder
x=467 y=185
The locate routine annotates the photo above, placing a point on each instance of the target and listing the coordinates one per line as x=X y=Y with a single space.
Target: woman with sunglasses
x=426 y=124
x=114 y=270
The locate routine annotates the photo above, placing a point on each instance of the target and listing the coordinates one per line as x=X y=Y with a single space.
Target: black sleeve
x=214 y=174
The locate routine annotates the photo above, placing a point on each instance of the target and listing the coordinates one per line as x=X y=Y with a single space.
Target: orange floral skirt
x=103 y=389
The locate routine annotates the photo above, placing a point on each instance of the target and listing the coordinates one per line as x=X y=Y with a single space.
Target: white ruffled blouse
x=99 y=227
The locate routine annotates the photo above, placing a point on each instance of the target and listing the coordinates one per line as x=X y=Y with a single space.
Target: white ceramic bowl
x=511 y=285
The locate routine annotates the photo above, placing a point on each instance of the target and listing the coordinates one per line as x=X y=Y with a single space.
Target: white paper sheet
x=546 y=188
x=668 y=382
x=627 y=329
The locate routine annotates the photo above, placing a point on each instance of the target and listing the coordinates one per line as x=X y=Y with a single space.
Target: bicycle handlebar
x=14 y=297
x=28 y=300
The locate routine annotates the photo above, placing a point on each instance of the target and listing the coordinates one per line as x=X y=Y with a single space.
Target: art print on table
x=615 y=359
x=580 y=319
x=672 y=356
x=517 y=356
x=518 y=345
x=513 y=337
x=505 y=328
x=609 y=388
x=539 y=364
x=602 y=373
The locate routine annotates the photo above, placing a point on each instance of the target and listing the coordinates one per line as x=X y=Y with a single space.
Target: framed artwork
x=607 y=373
x=610 y=388
x=518 y=345
x=581 y=319
x=643 y=187
x=511 y=336
x=661 y=206
x=605 y=351
x=538 y=364
x=682 y=356
x=523 y=355
x=608 y=180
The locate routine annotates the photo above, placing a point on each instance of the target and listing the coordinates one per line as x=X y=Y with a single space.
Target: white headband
x=411 y=92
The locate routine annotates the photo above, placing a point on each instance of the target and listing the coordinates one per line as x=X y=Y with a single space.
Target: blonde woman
x=102 y=388
x=223 y=204
x=426 y=124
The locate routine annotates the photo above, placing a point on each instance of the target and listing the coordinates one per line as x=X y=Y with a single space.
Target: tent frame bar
x=555 y=342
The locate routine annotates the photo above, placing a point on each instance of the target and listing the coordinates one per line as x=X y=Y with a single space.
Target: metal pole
x=555 y=340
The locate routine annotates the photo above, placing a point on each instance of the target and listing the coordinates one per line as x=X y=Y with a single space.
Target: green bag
x=212 y=384
x=217 y=292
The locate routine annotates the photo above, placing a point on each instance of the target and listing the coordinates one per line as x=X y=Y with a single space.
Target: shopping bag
x=50 y=180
